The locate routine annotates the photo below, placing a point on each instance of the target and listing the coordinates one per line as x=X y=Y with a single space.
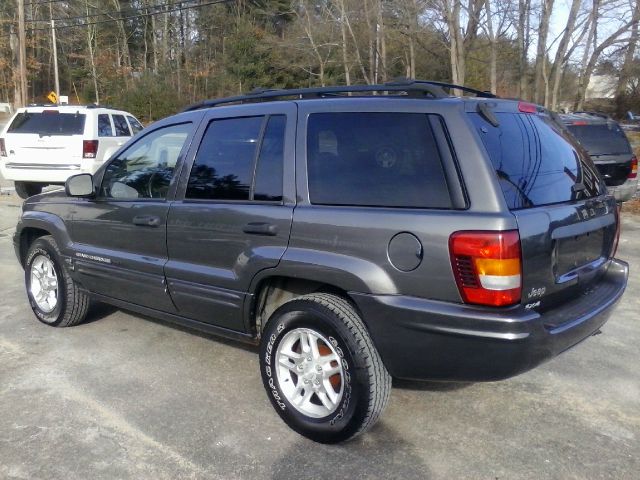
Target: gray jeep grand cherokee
x=354 y=237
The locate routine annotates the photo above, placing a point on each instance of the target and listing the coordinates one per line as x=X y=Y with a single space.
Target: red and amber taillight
x=487 y=266
x=89 y=148
x=634 y=168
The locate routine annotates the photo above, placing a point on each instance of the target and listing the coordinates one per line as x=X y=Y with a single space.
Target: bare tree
x=541 y=55
x=558 y=63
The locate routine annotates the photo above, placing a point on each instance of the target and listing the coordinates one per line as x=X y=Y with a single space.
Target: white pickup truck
x=46 y=144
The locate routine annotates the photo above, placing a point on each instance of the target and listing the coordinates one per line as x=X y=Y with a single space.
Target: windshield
x=603 y=139
x=535 y=161
x=49 y=122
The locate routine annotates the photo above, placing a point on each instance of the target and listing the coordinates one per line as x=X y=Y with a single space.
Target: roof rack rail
x=412 y=88
x=594 y=114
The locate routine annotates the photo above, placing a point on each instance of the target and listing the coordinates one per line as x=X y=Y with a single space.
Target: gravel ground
x=124 y=396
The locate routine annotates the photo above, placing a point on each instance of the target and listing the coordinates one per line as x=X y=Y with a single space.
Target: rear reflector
x=634 y=168
x=89 y=148
x=527 y=107
x=487 y=266
x=3 y=148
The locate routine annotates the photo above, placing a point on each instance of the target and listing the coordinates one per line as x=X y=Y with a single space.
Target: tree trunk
x=541 y=55
x=558 y=63
x=625 y=71
x=493 y=74
x=595 y=56
x=90 y=47
x=343 y=32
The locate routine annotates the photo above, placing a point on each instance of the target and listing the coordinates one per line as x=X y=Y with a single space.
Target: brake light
x=525 y=107
x=3 y=148
x=487 y=266
x=89 y=148
x=580 y=122
x=634 y=168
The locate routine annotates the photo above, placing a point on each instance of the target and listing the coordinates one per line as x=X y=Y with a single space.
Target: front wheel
x=55 y=298
x=321 y=370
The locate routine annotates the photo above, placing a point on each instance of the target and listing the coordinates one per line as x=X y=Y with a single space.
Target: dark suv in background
x=354 y=237
x=609 y=149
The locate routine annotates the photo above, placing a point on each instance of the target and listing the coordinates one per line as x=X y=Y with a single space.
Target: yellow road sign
x=53 y=98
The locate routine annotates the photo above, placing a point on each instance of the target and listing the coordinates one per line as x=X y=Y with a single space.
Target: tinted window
x=601 y=139
x=268 y=182
x=122 y=129
x=104 y=126
x=136 y=126
x=49 y=122
x=375 y=159
x=536 y=161
x=146 y=168
x=223 y=167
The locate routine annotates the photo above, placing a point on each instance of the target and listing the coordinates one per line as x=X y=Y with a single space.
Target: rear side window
x=104 y=126
x=268 y=182
x=603 y=139
x=375 y=159
x=122 y=128
x=223 y=166
x=536 y=161
x=240 y=159
x=48 y=122
x=136 y=126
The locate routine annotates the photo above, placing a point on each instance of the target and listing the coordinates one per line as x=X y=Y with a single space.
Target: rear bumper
x=46 y=173
x=428 y=340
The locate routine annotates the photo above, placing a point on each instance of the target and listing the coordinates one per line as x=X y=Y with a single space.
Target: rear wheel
x=321 y=370
x=28 y=189
x=53 y=295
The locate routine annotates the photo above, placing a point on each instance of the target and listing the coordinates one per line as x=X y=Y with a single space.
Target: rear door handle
x=146 y=220
x=260 y=228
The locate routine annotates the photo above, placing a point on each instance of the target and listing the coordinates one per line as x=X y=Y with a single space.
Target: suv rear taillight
x=487 y=266
x=89 y=148
x=3 y=148
x=634 y=168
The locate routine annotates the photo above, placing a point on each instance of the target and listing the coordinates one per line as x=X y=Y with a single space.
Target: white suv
x=45 y=145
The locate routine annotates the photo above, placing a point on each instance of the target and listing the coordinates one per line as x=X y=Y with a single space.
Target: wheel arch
x=272 y=291
x=34 y=225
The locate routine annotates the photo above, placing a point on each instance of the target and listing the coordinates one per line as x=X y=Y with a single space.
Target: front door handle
x=146 y=220
x=260 y=228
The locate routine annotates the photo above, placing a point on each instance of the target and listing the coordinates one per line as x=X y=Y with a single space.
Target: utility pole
x=22 y=55
x=55 y=53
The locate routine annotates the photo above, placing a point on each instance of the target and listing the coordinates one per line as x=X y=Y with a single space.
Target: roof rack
x=593 y=114
x=408 y=87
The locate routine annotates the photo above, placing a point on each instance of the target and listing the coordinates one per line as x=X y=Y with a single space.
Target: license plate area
x=577 y=251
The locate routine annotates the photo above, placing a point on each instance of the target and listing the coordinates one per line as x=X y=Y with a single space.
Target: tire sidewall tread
x=367 y=382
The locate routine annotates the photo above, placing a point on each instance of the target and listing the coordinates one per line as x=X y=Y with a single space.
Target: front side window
x=145 y=169
x=122 y=128
x=104 y=126
x=375 y=159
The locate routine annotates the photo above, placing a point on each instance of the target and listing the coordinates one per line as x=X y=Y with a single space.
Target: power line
x=149 y=14
x=111 y=13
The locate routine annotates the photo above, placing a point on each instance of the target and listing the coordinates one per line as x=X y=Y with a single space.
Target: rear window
x=375 y=159
x=536 y=161
x=604 y=139
x=49 y=122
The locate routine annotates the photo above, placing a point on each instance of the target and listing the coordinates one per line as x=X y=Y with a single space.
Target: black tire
x=28 y=189
x=72 y=303
x=367 y=384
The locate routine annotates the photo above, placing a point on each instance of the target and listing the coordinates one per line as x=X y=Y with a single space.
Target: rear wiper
x=484 y=110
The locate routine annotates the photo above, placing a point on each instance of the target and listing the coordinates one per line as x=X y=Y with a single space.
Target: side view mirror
x=80 y=185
